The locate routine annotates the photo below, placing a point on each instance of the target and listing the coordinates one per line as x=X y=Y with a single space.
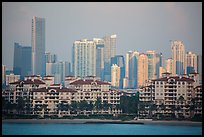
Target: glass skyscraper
x=38 y=46
x=109 y=51
x=22 y=60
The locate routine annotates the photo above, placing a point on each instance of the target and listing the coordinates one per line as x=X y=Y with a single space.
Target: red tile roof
x=177 y=78
x=44 y=89
x=29 y=81
x=88 y=81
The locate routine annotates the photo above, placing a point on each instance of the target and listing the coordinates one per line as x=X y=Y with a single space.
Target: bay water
x=97 y=129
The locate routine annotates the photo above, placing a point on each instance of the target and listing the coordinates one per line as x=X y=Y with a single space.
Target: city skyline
x=178 y=21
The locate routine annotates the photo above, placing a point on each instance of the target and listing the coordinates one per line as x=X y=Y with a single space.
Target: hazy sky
x=138 y=26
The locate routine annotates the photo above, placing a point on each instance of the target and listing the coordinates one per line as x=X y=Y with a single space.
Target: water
x=97 y=129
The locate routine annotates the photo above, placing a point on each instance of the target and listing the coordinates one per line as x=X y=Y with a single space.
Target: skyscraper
x=151 y=55
x=178 y=57
x=109 y=51
x=99 y=57
x=142 y=69
x=120 y=62
x=50 y=58
x=169 y=63
x=22 y=60
x=115 y=75
x=38 y=46
x=84 y=58
x=159 y=63
x=191 y=62
x=131 y=68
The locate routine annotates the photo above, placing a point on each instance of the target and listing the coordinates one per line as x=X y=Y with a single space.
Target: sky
x=138 y=26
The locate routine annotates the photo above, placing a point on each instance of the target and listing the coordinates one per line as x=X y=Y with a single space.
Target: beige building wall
x=142 y=69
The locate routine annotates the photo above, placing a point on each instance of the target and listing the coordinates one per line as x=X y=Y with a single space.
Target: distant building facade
x=38 y=46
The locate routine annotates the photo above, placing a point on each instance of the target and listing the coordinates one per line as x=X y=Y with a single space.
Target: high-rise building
x=178 y=57
x=120 y=62
x=131 y=68
x=169 y=63
x=142 y=69
x=109 y=51
x=199 y=67
x=84 y=58
x=151 y=55
x=59 y=70
x=3 y=74
x=191 y=62
x=22 y=60
x=159 y=63
x=161 y=71
x=99 y=57
x=38 y=46
x=115 y=75
x=50 y=58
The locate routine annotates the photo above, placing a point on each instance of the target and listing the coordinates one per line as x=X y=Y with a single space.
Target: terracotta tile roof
x=177 y=78
x=88 y=81
x=44 y=89
x=48 y=76
x=29 y=81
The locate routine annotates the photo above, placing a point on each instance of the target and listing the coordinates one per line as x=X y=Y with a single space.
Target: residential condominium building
x=38 y=46
x=142 y=69
x=151 y=55
x=169 y=96
x=169 y=63
x=191 y=62
x=131 y=69
x=88 y=90
x=115 y=76
x=178 y=57
x=109 y=51
x=84 y=58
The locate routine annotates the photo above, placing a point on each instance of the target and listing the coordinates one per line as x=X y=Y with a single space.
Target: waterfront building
x=109 y=51
x=169 y=65
x=38 y=46
x=11 y=78
x=169 y=96
x=89 y=90
x=142 y=69
x=22 y=60
x=22 y=88
x=151 y=55
x=191 y=62
x=178 y=57
x=115 y=76
x=84 y=58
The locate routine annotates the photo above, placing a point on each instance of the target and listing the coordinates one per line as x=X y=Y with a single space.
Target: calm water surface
x=98 y=129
